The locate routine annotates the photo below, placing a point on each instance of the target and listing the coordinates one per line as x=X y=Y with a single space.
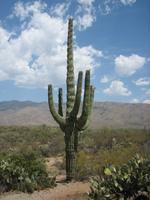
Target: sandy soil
x=63 y=191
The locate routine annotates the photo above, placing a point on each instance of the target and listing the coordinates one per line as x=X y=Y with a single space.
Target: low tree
x=70 y=123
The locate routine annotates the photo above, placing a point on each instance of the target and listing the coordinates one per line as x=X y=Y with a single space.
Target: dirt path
x=63 y=191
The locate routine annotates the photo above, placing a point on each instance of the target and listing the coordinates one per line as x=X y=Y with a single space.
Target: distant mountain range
x=105 y=114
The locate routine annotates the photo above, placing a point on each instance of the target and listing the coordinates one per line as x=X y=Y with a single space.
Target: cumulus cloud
x=86 y=58
x=147 y=101
x=104 y=79
x=146 y=90
x=107 y=6
x=86 y=2
x=23 y=11
x=128 y=65
x=135 y=101
x=60 y=9
x=117 y=88
x=37 y=55
x=85 y=14
x=4 y=35
x=142 y=81
x=128 y=2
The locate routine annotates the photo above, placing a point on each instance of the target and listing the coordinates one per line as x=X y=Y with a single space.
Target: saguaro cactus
x=71 y=124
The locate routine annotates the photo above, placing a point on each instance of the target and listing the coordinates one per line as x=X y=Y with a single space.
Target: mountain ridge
x=105 y=114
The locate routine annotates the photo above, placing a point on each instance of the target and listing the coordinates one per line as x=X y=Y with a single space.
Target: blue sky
x=111 y=37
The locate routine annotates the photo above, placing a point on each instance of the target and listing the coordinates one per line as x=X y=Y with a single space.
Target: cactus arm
x=86 y=103
x=91 y=98
x=86 y=100
x=85 y=126
x=59 y=119
x=60 y=102
x=78 y=95
x=70 y=70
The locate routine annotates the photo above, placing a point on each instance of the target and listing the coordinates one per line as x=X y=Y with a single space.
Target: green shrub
x=23 y=172
x=127 y=181
x=44 y=140
x=90 y=164
x=117 y=155
x=86 y=165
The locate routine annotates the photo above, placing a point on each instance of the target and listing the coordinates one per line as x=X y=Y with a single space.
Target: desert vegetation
x=131 y=180
x=97 y=148
x=24 y=172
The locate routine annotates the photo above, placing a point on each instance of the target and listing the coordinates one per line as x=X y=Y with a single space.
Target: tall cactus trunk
x=70 y=157
x=72 y=125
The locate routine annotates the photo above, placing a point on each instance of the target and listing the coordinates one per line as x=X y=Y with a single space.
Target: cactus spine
x=72 y=125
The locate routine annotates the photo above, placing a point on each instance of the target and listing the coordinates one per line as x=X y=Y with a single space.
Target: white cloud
x=86 y=2
x=85 y=14
x=145 y=90
x=85 y=21
x=135 y=101
x=86 y=57
x=23 y=11
x=104 y=79
x=128 y=65
x=147 y=101
x=142 y=81
x=117 y=88
x=59 y=10
x=37 y=56
x=107 y=6
x=4 y=35
x=128 y=2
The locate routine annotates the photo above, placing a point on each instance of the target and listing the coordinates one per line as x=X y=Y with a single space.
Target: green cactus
x=71 y=124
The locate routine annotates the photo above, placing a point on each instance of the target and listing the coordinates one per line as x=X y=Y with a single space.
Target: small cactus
x=71 y=124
